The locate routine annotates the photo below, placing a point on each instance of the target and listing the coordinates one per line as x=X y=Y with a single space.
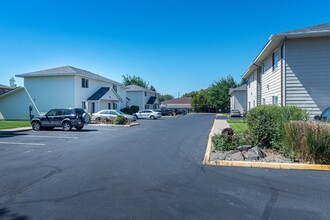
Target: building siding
x=308 y=74
x=252 y=90
x=15 y=106
x=271 y=80
x=136 y=98
x=51 y=92
x=238 y=101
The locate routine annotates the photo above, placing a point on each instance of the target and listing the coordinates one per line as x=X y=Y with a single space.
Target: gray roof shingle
x=315 y=28
x=99 y=93
x=67 y=71
x=151 y=100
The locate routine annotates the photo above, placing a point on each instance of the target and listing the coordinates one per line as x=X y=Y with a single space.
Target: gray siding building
x=293 y=69
x=238 y=97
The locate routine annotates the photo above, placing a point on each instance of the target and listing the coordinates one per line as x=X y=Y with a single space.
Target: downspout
x=283 y=75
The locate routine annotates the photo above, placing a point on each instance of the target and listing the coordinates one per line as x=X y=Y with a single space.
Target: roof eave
x=273 y=42
x=276 y=40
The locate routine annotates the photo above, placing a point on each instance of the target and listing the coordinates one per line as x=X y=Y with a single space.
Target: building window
x=254 y=103
x=275 y=60
x=84 y=83
x=115 y=87
x=109 y=105
x=275 y=100
x=249 y=104
x=264 y=101
x=83 y=105
x=145 y=93
x=93 y=107
x=114 y=105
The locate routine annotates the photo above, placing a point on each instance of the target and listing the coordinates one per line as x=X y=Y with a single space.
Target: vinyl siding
x=238 y=101
x=308 y=74
x=15 y=106
x=136 y=98
x=51 y=92
x=271 y=80
x=252 y=90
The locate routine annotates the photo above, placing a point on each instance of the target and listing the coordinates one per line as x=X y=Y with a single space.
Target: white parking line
x=36 y=136
x=18 y=143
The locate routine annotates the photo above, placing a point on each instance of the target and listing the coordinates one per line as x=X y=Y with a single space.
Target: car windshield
x=326 y=113
x=122 y=113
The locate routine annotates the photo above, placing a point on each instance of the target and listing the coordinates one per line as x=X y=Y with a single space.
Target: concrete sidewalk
x=219 y=125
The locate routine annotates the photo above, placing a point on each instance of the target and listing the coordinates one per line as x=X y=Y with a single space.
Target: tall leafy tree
x=219 y=93
x=165 y=97
x=135 y=80
x=152 y=88
x=200 y=101
x=190 y=94
x=12 y=82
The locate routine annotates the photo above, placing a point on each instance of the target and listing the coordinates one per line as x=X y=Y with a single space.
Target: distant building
x=142 y=97
x=61 y=87
x=183 y=103
x=238 y=97
x=4 y=89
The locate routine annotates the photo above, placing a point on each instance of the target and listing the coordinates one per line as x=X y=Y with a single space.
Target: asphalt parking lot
x=151 y=171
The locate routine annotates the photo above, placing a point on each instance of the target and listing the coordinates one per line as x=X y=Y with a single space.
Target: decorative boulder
x=244 y=147
x=234 y=155
x=254 y=153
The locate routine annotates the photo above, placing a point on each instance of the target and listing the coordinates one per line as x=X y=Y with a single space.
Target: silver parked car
x=111 y=114
x=148 y=113
x=235 y=113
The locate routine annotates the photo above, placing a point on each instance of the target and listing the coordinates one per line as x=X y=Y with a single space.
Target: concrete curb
x=11 y=130
x=209 y=146
x=252 y=164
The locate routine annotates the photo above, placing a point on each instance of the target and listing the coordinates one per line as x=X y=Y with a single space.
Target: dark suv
x=63 y=117
x=167 y=111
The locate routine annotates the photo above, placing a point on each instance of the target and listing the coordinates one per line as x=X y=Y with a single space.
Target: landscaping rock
x=234 y=155
x=218 y=155
x=244 y=147
x=254 y=154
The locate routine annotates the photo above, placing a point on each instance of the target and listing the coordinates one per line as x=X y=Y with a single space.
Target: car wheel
x=79 y=128
x=170 y=114
x=152 y=117
x=66 y=126
x=36 y=125
x=98 y=119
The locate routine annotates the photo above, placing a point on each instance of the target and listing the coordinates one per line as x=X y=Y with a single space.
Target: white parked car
x=148 y=113
x=111 y=114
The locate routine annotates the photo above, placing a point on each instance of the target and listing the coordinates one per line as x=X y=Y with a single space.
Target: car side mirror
x=317 y=117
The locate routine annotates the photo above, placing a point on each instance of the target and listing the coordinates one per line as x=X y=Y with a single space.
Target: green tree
x=135 y=80
x=190 y=94
x=165 y=97
x=200 y=101
x=152 y=88
x=219 y=93
x=12 y=82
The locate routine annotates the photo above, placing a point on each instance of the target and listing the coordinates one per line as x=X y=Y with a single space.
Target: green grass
x=14 y=124
x=239 y=126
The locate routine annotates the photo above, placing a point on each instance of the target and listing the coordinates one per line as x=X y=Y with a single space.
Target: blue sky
x=176 y=45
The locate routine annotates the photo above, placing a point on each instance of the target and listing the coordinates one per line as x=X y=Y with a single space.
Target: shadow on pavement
x=5 y=213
